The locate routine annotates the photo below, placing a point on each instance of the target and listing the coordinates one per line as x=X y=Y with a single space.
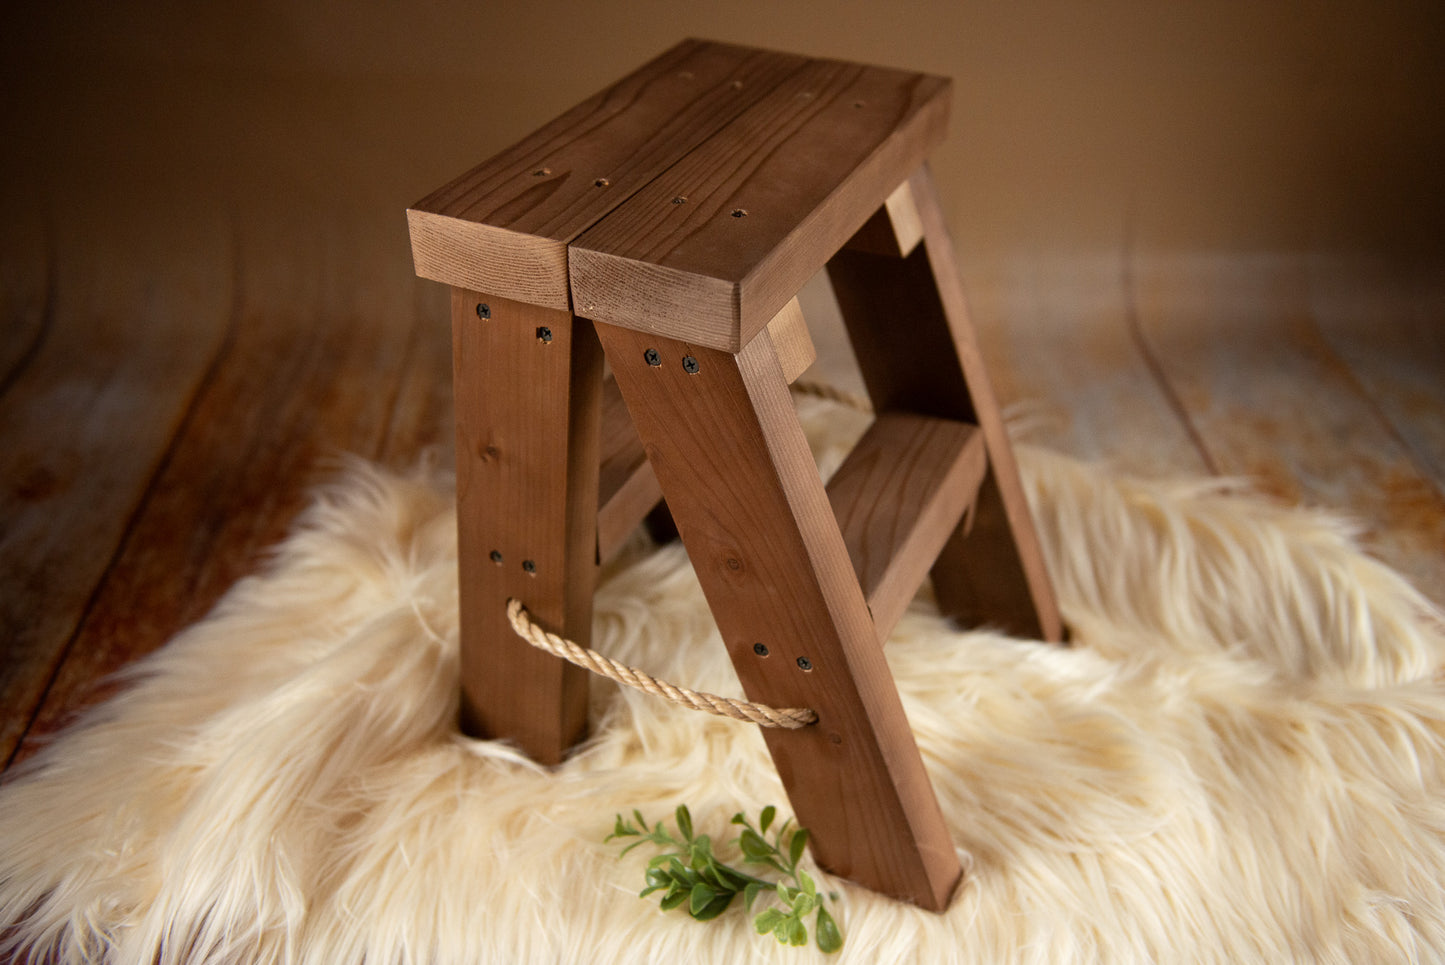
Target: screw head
x=689 y=365
x=528 y=566
x=496 y=556
x=761 y=649
x=679 y=200
x=651 y=357
x=544 y=334
x=484 y=310
x=804 y=663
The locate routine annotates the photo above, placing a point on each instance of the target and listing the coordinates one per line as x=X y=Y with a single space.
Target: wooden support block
x=725 y=441
x=898 y=496
x=792 y=341
x=908 y=321
x=528 y=397
x=504 y=226
x=717 y=244
x=627 y=486
x=895 y=229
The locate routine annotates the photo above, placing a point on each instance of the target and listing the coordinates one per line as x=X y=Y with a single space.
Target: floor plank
x=328 y=356
x=140 y=311
x=1271 y=400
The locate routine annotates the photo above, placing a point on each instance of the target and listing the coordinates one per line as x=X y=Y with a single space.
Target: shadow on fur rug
x=1241 y=759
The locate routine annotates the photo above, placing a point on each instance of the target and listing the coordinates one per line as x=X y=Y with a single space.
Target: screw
x=528 y=566
x=601 y=183
x=804 y=663
x=679 y=200
x=496 y=556
x=740 y=212
x=541 y=172
x=761 y=649
x=544 y=334
x=689 y=365
x=484 y=310
x=651 y=357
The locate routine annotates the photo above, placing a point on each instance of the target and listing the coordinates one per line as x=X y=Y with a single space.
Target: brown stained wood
x=712 y=248
x=1056 y=333
x=791 y=340
x=26 y=287
x=323 y=344
x=89 y=414
x=503 y=227
x=741 y=483
x=911 y=334
x=894 y=229
x=528 y=384
x=1273 y=402
x=627 y=488
x=902 y=490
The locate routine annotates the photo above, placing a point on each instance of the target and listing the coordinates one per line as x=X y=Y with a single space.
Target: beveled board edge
x=465 y=254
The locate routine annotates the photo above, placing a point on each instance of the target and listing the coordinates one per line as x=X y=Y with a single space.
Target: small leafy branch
x=689 y=875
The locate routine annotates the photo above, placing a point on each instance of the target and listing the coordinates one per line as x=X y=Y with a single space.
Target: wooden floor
x=190 y=338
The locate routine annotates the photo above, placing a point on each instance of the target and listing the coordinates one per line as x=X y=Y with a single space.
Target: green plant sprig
x=689 y=875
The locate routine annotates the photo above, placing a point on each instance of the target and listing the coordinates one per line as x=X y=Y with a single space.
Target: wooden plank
x=894 y=229
x=711 y=249
x=902 y=490
x=931 y=366
x=140 y=311
x=627 y=488
x=738 y=476
x=528 y=384
x=1062 y=349
x=327 y=339
x=504 y=226
x=791 y=340
x=1272 y=402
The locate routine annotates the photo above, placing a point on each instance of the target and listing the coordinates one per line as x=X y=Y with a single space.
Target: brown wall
x=1076 y=124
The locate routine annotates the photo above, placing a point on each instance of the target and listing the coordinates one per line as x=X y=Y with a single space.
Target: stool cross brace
x=666 y=225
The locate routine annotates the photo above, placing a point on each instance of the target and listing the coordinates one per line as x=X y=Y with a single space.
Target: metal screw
x=679 y=200
x=761 y=649
x=484 y=310
x=804 y=663
x=496 y=556
x=740 y=212
x=544 y=334
x=651 y=357
x=528 y=566
x=689 y=365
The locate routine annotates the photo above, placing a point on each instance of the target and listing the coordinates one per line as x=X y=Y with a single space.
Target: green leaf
x=804 y=903
x=785 y=894
x=829 y=938
x=750 y=894
x=701 y=895
x=795 y=849
x=797 y=933
x=768 y=920
x=808 y=886
x=766 y=818
x=684 y=822
x=754 y=847
x=715 y=907
x=739 y=818
x=657 y=878
x=674 y=898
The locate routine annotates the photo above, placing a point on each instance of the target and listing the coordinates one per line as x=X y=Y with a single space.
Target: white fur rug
x=1241 y=759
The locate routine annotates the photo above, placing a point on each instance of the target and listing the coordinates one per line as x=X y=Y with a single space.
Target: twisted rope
x=787 y=718
x=823 y=390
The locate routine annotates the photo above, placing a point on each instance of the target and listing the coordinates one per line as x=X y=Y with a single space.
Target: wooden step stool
x=668 y=223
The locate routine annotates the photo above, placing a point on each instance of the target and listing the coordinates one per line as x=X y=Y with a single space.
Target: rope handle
x=787 y=718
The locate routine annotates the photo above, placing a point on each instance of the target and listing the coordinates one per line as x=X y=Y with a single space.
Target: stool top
x=692 y=198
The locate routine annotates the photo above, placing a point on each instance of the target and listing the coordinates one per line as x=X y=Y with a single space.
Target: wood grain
x=712 y=248
x=908 y=322
x=792 y=341
x=503 y=227
x=898 y=495
x=528 y=384
x=627 y=488
x=90 y=410
x=894 y=229
x=1274 y=403
x=741 y=483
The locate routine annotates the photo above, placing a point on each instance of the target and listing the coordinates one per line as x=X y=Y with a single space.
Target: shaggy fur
x=1241 y=759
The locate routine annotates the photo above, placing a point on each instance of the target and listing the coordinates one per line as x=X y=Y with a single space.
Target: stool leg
x=908 y=321
x=735 y=469
x=528 y=401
